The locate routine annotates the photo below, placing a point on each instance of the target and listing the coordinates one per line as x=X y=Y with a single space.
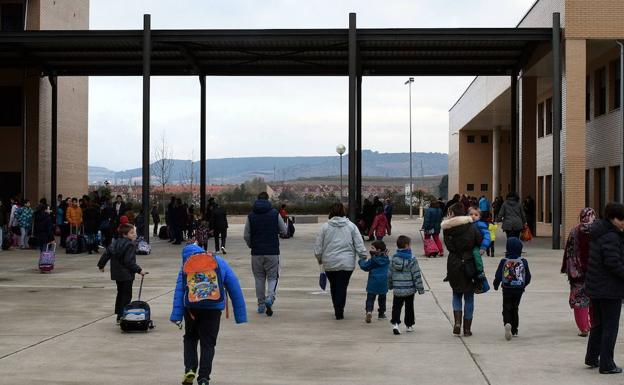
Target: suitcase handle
x=48 y=247
x=141 y=287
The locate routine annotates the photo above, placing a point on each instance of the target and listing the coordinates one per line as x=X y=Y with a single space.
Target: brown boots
x=467 y=325
x=458 y=322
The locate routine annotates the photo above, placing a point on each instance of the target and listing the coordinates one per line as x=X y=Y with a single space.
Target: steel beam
x=202 y=146
x=557 y=111
x=513 y=176
x=358 y=135
x=54 y=143
x=147 y=55
x=352 y=116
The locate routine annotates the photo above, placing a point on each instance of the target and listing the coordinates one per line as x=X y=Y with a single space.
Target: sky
x=278 y=116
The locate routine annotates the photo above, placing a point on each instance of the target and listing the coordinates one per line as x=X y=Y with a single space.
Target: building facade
x=25 y=109
x=480 y=156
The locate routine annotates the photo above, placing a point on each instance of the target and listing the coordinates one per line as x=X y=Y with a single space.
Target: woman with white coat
x=337 y=246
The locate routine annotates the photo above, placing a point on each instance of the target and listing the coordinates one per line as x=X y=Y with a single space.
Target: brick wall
x=594 y=19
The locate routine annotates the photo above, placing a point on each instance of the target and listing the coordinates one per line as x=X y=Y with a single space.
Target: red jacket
x=380 y=226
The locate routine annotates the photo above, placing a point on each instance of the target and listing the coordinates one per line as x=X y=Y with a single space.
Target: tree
x=163 y=165
x=255 y=186
x=188 y=176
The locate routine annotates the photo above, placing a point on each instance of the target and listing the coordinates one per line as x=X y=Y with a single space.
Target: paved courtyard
x=59 y=328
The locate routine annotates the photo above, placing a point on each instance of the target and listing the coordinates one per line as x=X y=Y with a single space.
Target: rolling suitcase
x=47 y=259
x=137 y=315
x=431 y=249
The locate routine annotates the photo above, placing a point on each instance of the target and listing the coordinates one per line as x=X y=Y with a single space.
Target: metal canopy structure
x=307 y=52
x=348 y=52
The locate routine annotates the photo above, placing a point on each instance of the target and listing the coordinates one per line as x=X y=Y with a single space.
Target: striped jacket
x=404 y=276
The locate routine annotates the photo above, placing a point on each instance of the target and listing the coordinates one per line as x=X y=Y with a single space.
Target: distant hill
x=238 y=170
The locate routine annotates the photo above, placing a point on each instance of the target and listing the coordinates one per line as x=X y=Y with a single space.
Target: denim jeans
x=381 y=303
x=24 y=237
x=468 y=303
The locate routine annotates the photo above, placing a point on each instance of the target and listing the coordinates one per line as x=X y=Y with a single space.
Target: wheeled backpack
x=47 y=258
x=137 y=315
x=163 y=232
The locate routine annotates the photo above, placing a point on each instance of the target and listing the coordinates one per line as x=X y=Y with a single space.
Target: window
x=600 y=92
x=11 y=17
x=587 y=101
x=587 y=204
x=10 y=106
x=549 y=116
x=470 y=187
x=540 y=199
x=485 y=139
x=615 y=82
x=548 y=200
x=599 y=190
x=614 y=188
x=484 y=187
x=540 y=120
x=471 y=138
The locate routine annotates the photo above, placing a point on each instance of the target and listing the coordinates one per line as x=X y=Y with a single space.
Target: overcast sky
x=279 y=116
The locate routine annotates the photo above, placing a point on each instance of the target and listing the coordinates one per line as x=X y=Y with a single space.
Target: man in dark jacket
x=219 y=226
x=91 y=220
x=604 y=284
x=122 y=256
x=262 y=231
x=155 y=218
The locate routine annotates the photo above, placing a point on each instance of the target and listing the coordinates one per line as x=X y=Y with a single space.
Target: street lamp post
x=411 y=186
x=340 y=149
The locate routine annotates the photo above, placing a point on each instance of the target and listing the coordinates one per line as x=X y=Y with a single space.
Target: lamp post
x=340 y=149
x=411 y=186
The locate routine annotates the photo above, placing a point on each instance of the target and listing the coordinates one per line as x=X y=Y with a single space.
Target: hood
x=381 y=260
x=262 y=206
x=449 y=223
x=402 y=260
x=338 y=221
x=513 y=202
x=514 y=248
x=190 y=250
x=600 y=228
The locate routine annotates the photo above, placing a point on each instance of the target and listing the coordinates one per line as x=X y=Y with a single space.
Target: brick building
x=25 y=109
x=480 y=139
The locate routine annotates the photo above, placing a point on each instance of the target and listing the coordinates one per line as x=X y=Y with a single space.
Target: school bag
x=204 y=283
x=163 y=232
x=143 y=248
x=514 y=274
x=6 y=240
x=47 y=258
x=76 y=243
x=137 y=315
x=431 y=249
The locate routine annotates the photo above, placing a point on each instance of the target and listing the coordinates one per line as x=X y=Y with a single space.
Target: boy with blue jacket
x=483 y=228
x=513 y=275
x=377 y=285
x=405 y=278
x=199 y=298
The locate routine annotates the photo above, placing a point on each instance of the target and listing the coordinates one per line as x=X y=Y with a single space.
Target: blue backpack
x=514 y=274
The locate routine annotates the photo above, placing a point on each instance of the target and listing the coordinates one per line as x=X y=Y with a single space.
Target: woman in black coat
x=44 y=229
x=460 y=237
x=604 y=284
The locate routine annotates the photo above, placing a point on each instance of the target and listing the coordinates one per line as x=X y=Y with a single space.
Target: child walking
x=405 y=279
x=122 y=256
x=379 y=227
x=513 y=275
x=199 y=298
x=377 y=285
x=492 y=228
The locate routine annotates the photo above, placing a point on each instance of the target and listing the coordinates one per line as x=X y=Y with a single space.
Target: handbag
x=525 y=234
x=322 y=279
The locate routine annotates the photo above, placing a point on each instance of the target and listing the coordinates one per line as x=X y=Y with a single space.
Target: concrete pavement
x=59 y=328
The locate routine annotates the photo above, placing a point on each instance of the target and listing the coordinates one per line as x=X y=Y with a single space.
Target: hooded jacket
x=338 y=244
x=404 y=277
x=228 y=280
x=379 y=226
x=605 y=270
x=484 y=230
x=433 y=219
x=512 y=215
x=122 y=256
x=514 y=251
x=377 y=267
x=262 y=229
x=460 y=237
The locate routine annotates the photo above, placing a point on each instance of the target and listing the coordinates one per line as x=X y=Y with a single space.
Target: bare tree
x=188 y=176
x=163 y=165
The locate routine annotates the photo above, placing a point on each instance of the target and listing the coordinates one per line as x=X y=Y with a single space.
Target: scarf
x=577 y=246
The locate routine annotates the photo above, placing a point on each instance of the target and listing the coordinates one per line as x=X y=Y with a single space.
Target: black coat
x=44 y=231
x=91 y=219
x=460 y=237
x=122 y=256
x=218 y=219
x=605 y=269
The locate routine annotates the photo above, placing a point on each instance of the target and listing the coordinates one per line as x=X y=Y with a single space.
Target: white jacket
x=338 y=244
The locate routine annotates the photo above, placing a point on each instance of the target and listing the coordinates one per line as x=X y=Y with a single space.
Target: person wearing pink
x=379 y=227
x=574 y=265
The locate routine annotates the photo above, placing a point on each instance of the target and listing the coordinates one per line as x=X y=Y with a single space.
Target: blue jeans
x=468 y=303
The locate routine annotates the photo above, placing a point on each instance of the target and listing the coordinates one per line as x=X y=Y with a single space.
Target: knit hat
x=123 y=219
x=190 y=250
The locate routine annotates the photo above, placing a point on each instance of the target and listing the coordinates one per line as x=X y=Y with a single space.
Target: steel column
x=358 y=134
x=513 y=176
x=621 y=197
x=147 y=54
x=557 y=109
x=352 y=116
x=202 y=146
x=54 y=140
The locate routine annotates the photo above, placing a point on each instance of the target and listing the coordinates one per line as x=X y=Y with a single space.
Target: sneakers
x=395 y=329
x=382 y=316
x=188 y=378
x=369 y=317
x=269 y=306
x=203 y=381
x=409 y=329
x=261 y=309
x=508 y=332
x=223 y=251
